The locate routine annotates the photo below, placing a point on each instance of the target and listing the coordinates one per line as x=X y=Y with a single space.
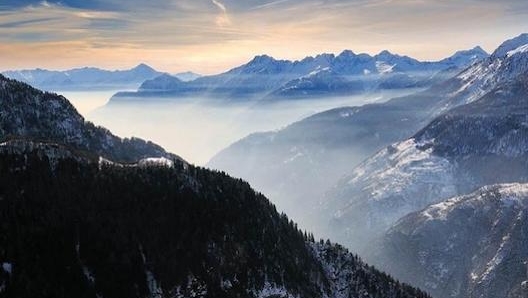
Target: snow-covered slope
x=479 y=143
x=504 y=65
x=399 y=179
x=467 y=246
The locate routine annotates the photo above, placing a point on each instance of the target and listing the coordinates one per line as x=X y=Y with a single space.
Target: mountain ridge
x=30 y=113
x=84 y=78
x=266 y=78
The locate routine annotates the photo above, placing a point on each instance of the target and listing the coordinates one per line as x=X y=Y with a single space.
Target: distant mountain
x=300 y=162
x=87 y=78
x=78 y=222
x=187 y=76
x=467 y=246
x=350 y=72
x=324 y=75
x=465 y=57
x=30 y=113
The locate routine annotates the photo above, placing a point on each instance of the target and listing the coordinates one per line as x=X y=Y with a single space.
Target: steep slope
x=324 y=75
x=30 y=113
x=476 y=144
x=87 y=78
x=467 y=246
x=73 y=226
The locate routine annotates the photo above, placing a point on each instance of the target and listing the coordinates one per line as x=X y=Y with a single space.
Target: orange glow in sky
x=210 y=36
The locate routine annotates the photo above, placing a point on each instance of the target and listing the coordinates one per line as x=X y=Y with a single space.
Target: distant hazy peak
x=346 y=53
x=187 y=76
x=479 y=49
x=143 y=67
x=262 y=59
x=476 y=50
x=385 y=53
x=165 y=81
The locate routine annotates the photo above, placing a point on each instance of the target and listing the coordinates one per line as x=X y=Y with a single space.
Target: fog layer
x=197 y=128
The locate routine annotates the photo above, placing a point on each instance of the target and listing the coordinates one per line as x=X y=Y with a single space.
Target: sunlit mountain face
x=264 y=149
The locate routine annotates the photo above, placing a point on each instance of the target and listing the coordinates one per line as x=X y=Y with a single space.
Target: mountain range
x=266 y=78
x=90 y=78
x=481 y=140
x=88 y=214
x=303 y=160
x=86 y=78
x=457 y=136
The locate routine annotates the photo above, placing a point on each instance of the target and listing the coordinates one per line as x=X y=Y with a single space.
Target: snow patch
x=441 y=210
x=271 y=290
x=521 y=49
x=7 y=267
x=314 y=73
x=346 y=114
x=156 y=161
x=293 y=158
x=383 y=67
x=399 y=167
x=105 y=162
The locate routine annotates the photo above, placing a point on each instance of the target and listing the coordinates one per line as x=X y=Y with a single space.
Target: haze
x=197 y=128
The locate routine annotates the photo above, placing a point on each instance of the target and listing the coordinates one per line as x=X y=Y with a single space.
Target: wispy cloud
x=270 y=4
x=15 y=24
x=190 y=32
x=223 y=18
x=220 y=5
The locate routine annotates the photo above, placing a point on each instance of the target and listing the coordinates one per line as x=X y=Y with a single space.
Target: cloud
x=270 y=4
x=15 y=24
x=220 y=5
x=198 y=30
x=223 y=18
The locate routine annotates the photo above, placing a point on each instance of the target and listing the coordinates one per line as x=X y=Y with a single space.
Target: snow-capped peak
x=346 y=54
x=506 y=63
x=511 y=45
x=385 y=54
x=260 y=59
x=143 y=67
x=383 y=67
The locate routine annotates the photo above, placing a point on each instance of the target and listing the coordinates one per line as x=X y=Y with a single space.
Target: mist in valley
x=198 y=128
x=87 y=101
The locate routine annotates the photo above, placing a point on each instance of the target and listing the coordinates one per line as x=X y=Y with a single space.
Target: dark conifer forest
x=73 y=228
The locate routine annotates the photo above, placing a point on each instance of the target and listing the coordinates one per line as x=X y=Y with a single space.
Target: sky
x=211 y=36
